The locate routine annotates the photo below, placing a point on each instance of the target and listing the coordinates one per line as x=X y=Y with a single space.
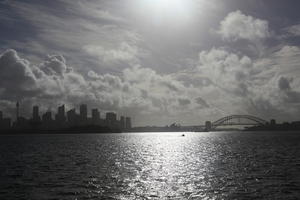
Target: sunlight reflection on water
x=150 y=166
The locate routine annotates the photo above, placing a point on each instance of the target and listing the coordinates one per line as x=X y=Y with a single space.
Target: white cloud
x=293 y=30
x=288 y=51
x=138 y=91
x=224 y=83
x=237 y=25
x=88 y=31
x=124 y=52
x=277 y=84
x=267 y=87
x=226 y=70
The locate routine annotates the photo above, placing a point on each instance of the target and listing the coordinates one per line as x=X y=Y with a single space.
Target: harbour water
x=214 y=165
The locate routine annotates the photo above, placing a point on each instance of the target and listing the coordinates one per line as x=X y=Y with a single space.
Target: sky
x=158 y=61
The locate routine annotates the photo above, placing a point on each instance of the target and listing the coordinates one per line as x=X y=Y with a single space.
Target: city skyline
x=63 y=119
x=90 y=120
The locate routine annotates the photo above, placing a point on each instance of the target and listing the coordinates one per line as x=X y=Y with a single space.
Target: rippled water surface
x=223 y=165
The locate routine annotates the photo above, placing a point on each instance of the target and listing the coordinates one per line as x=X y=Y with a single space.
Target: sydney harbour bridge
x=235 y=120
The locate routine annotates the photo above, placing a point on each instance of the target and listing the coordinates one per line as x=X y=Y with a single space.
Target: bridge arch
x=228 y=121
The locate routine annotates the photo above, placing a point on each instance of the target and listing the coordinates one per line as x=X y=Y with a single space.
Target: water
x=223 y=165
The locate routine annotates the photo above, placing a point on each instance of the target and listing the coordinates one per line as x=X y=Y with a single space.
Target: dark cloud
x=202 y=102
x=290 y=96
x=184 y=102
x=284 y=84
x=16 y=77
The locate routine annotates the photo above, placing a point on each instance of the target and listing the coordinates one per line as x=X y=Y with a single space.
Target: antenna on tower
x=17 y=110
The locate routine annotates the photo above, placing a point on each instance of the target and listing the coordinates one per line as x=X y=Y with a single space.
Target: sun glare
x=168 y=10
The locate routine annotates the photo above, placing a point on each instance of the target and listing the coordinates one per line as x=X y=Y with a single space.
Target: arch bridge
x=237 y=120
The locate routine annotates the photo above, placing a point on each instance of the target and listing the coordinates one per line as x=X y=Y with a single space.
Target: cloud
x=277 y=84
x=85 y=31
x=138 y=91
x=288 y=51
x=229 y=82
x=124 y=52
x=290 y=95
x=284 y=84
x=184 y=102
x=202 y=102
x=237 y=25
x=266 y=87
x=226 y=70
x=293 y=30
x=54 y=65
x=16 y=77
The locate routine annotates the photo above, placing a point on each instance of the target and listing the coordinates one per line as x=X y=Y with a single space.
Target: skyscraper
x=5 y=124
x=83 y=113
x=122 y=122
x=72 y=117
x=17 y=111
x=128 y=123
x=60 y=116
x=47 y=121
x=273 y=122
x=111 y=118
x=35 y=114
x=47 y=117
x=95 y=116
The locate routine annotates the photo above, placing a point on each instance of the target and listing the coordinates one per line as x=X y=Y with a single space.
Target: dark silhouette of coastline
x=172 y=128
x=272 y=126
x=293 y=126
x=71 y=130
x=71 y=122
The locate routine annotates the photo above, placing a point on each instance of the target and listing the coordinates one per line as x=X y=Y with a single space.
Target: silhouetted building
x=273 y=122
x=128 y=123
x=5 y=123
x=61 y=116
x=95 y=117
x=64 y=121
x=111 y=119
x=111 y=116
x=47 y=121
x=17 y=110
x=47 y=117
x=72 y=117
x=83 y=113
x=95 y=114
x=122 y=122
x=22 y=123
x=296 y=123
x=208 y=125
x=35 y=114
